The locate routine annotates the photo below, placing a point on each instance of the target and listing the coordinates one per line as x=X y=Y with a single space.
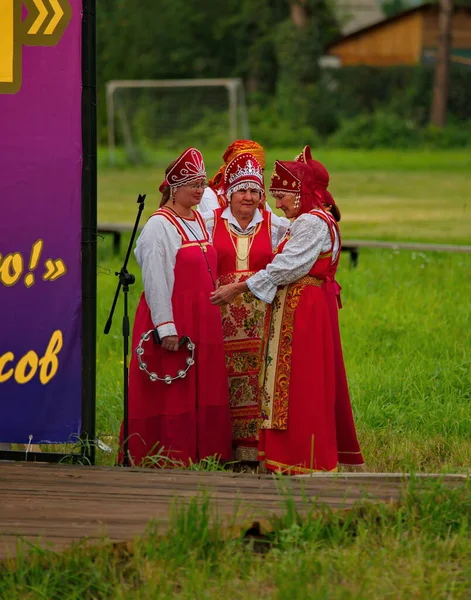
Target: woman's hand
x=170 y=342
x=226 y=293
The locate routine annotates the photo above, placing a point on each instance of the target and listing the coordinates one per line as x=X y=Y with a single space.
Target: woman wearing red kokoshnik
x=188 y=419
x=244 y=235
x=304 y=427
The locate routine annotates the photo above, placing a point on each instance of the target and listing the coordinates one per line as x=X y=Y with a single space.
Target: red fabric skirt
x=309 y=442
x=190 y=418
x=349 y=452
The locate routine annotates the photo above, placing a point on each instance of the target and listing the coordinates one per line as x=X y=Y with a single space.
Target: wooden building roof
x=404 y=39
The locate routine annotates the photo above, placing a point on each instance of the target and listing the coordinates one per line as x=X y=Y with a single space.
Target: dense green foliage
x=289 y=96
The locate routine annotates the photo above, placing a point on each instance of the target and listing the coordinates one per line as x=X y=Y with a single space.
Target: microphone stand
x=125 y=279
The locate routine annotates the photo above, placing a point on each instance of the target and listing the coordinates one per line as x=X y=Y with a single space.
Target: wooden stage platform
x=55 y=505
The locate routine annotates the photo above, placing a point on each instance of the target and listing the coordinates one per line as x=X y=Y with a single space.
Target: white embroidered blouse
x=309 y=237
x=156 y=253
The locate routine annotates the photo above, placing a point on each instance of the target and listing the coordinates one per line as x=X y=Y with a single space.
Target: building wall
x=461 y=27
x=398 y=43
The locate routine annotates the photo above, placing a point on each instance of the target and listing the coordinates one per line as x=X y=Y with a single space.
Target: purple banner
x=40 y=220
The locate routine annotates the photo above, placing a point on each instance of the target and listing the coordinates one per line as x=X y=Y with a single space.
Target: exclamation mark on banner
x=33 y=262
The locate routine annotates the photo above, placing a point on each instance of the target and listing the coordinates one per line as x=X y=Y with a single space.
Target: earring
x=172 y=191
x=297 y=203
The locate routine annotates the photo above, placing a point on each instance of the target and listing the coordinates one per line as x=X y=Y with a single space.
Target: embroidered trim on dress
x=166 y=323
x=298 y=468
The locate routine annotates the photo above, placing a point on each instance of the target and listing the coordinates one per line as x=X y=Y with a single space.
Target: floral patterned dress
x=245 y=326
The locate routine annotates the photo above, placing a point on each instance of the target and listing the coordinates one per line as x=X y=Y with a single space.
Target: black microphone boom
x=125 y=279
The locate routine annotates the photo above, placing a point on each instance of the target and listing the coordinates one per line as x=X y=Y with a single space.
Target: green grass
x=419 y=548
x=408 y=196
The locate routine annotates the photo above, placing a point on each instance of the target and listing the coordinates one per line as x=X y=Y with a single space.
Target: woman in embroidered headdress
x=214 y=195
x=244 y=236
x=299 y=427
x=349 y=454
x=190 y=418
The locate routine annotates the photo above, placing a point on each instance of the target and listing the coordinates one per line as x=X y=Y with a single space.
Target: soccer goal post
x=145 y=115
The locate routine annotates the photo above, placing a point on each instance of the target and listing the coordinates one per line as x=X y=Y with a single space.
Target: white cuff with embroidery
x=262 y=286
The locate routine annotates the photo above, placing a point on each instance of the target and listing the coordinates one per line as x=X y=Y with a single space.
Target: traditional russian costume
x=299 y=414
x=189 y=419
x=245 y=321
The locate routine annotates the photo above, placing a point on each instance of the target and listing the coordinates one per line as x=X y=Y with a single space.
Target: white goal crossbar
x=232 y=85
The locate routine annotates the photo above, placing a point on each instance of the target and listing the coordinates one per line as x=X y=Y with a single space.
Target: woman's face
x=245 y=202
x=191 y=194
x=286 y=202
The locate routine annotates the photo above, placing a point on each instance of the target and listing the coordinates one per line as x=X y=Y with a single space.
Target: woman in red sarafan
x=244 y=235
x=349 y=453
x=189 y=419
x=301 y=424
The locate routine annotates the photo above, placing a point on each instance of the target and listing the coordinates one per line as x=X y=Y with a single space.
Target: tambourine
x=190 y=360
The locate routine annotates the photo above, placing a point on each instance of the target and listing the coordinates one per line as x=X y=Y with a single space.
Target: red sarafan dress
x=348 y=448
x=245 y=327
x=189 y=419
x=301 y=420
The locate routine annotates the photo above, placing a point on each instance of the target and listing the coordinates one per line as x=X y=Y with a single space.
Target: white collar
x=256 y=219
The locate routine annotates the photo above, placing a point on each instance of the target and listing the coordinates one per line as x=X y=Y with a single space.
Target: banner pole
x=89 y=229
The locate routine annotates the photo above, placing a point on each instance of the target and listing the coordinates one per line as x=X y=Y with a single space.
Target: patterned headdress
x=321 y=175
x=188 y=167
x=296 y=177
x=305 y=155
x=235 y=149
x=242 y=172
x=283 y=179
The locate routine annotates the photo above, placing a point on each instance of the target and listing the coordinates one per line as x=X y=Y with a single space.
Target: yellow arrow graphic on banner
x=42 y=14
x=54 y=269
x=44 y=25
x=56 y=7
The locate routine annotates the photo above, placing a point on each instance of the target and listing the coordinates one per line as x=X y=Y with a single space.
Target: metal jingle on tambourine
x=168 y=379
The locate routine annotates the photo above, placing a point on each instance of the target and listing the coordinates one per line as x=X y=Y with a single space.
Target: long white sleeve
x=279 y=226
x=208 y=218
x=309 y=237
x=209 y=201
x=156 y=252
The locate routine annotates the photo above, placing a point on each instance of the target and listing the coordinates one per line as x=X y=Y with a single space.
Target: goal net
x=146 y=117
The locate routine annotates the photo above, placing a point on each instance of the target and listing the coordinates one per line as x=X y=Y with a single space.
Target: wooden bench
x=351 y=246
x=116 y=230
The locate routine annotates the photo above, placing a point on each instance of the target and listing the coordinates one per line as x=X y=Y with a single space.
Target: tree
x=440 y=88
x=393 y=7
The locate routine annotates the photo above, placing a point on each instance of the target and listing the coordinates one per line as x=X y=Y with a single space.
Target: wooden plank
x=62 y=504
